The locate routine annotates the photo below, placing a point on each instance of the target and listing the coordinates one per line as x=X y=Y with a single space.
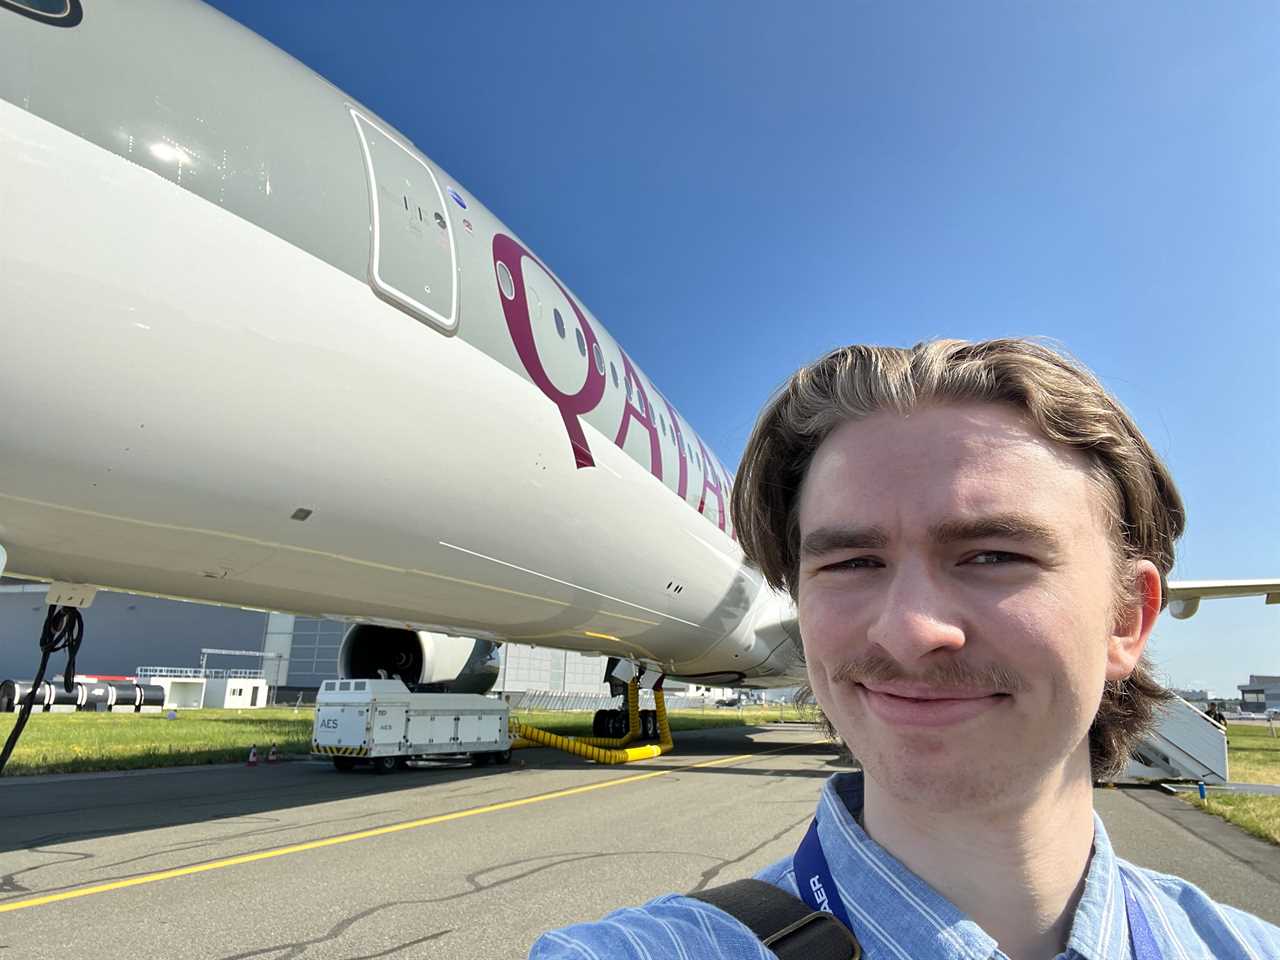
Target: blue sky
x=734 y=188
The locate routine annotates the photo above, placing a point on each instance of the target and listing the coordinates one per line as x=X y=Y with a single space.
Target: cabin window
x=613 y=371
x=598 y=354
x=559 y=323
x=507 y=284
x=582 y=343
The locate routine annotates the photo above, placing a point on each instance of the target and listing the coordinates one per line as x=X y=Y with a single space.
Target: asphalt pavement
x=300 y=861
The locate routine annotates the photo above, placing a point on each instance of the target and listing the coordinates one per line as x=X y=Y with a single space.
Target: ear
x=1134 y=622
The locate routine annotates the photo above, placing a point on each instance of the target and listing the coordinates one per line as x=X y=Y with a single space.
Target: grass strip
x=1256 y=813
x=84 y=742
x=1253 y=754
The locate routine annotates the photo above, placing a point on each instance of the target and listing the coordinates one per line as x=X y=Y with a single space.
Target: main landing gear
x=614 y=731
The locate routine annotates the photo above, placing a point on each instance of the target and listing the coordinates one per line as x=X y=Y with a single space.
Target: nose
x=916 y=617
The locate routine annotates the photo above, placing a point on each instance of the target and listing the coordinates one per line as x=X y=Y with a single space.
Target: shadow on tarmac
x=43 y=811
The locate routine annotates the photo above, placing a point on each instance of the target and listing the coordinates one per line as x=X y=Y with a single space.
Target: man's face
x=955 y=599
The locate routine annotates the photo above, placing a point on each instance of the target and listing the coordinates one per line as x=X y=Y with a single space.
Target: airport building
x=124 y=632
x=1260 y=694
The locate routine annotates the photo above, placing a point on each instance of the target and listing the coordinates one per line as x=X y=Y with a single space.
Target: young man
x=976 y=536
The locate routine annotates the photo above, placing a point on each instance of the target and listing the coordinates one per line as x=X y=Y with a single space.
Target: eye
x=855 y=563
x=994 y=557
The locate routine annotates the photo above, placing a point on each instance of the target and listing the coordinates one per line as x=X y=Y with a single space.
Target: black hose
x=63 y=630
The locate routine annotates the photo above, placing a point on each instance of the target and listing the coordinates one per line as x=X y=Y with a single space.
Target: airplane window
x=559 y=323
x=507 y=284
x=614 y=372
x=662 y=423
x=598 y=354
x=629 y=390
x=582 y=344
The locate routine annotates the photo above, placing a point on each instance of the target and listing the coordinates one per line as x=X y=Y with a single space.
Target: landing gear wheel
x=648 y=725
x=617 y=724
x=385 y=764
x=344 y=764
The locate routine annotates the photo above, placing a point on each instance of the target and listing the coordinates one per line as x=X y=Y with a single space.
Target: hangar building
x=123 y=632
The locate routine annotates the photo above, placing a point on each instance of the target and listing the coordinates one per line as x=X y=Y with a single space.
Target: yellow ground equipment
x=603 y=750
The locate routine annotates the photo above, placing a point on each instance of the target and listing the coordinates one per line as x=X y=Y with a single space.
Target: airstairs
x=1186 y=745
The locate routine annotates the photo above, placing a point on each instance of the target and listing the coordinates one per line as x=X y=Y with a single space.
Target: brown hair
x=1064 y=401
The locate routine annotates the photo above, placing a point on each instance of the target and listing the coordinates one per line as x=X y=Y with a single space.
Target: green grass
x=1253 y=755
x=77 y=742
x=80 y=742
x=1260 y=815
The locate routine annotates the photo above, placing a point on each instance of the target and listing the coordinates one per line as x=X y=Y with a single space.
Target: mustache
x=879 y=668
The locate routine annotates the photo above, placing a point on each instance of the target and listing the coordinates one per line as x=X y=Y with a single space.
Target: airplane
x=260 y=350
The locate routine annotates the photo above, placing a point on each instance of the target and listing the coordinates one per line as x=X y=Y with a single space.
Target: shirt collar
x=1100 y=928
x=888 y=903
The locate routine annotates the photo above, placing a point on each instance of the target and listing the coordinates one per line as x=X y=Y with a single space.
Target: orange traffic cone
x=273 y=756
x=253 y=756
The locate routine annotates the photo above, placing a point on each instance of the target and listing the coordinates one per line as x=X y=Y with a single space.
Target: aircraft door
x=413 y=261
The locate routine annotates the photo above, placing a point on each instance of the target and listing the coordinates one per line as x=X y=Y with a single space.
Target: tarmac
x=297 y=860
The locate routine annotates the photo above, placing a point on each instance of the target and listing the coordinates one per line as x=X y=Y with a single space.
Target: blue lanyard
x=1140 y=937
x=813 y=877
x=818 y=890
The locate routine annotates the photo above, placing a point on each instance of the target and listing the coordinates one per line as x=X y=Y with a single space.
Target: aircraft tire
x=617 y=724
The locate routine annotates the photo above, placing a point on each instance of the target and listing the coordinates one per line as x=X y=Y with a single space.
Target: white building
x=235 y=690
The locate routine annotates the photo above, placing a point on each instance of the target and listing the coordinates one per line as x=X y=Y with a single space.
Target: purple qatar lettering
x=709 y=474
x=520 y=326
x=642 y=415
x=682 y=488
x=573 y=406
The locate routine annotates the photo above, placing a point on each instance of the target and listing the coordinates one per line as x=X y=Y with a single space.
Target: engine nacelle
x=426 y=662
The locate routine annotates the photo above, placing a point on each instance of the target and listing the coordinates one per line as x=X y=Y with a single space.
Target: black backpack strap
x=784 y=923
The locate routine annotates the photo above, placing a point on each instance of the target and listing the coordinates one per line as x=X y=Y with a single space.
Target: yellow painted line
x=364 y=834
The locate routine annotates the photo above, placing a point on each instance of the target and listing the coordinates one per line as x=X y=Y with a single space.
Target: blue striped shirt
x=897 y=916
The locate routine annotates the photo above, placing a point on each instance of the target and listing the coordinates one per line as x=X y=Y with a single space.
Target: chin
x=940 y=780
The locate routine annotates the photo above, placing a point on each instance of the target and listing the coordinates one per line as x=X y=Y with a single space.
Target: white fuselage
x=177 y=382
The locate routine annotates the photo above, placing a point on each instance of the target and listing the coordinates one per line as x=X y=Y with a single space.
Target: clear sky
x=734 y=188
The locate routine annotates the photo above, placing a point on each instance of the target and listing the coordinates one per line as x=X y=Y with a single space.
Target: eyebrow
x=1005 y=526
x=830 y=539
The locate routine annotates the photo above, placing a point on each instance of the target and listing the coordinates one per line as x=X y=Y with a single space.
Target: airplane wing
x=1185 y=595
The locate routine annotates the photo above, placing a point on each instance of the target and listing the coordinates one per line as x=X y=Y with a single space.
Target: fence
x=555 y=701
x=212 y=673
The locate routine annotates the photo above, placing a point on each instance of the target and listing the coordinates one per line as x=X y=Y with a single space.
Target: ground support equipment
x=608 y=750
